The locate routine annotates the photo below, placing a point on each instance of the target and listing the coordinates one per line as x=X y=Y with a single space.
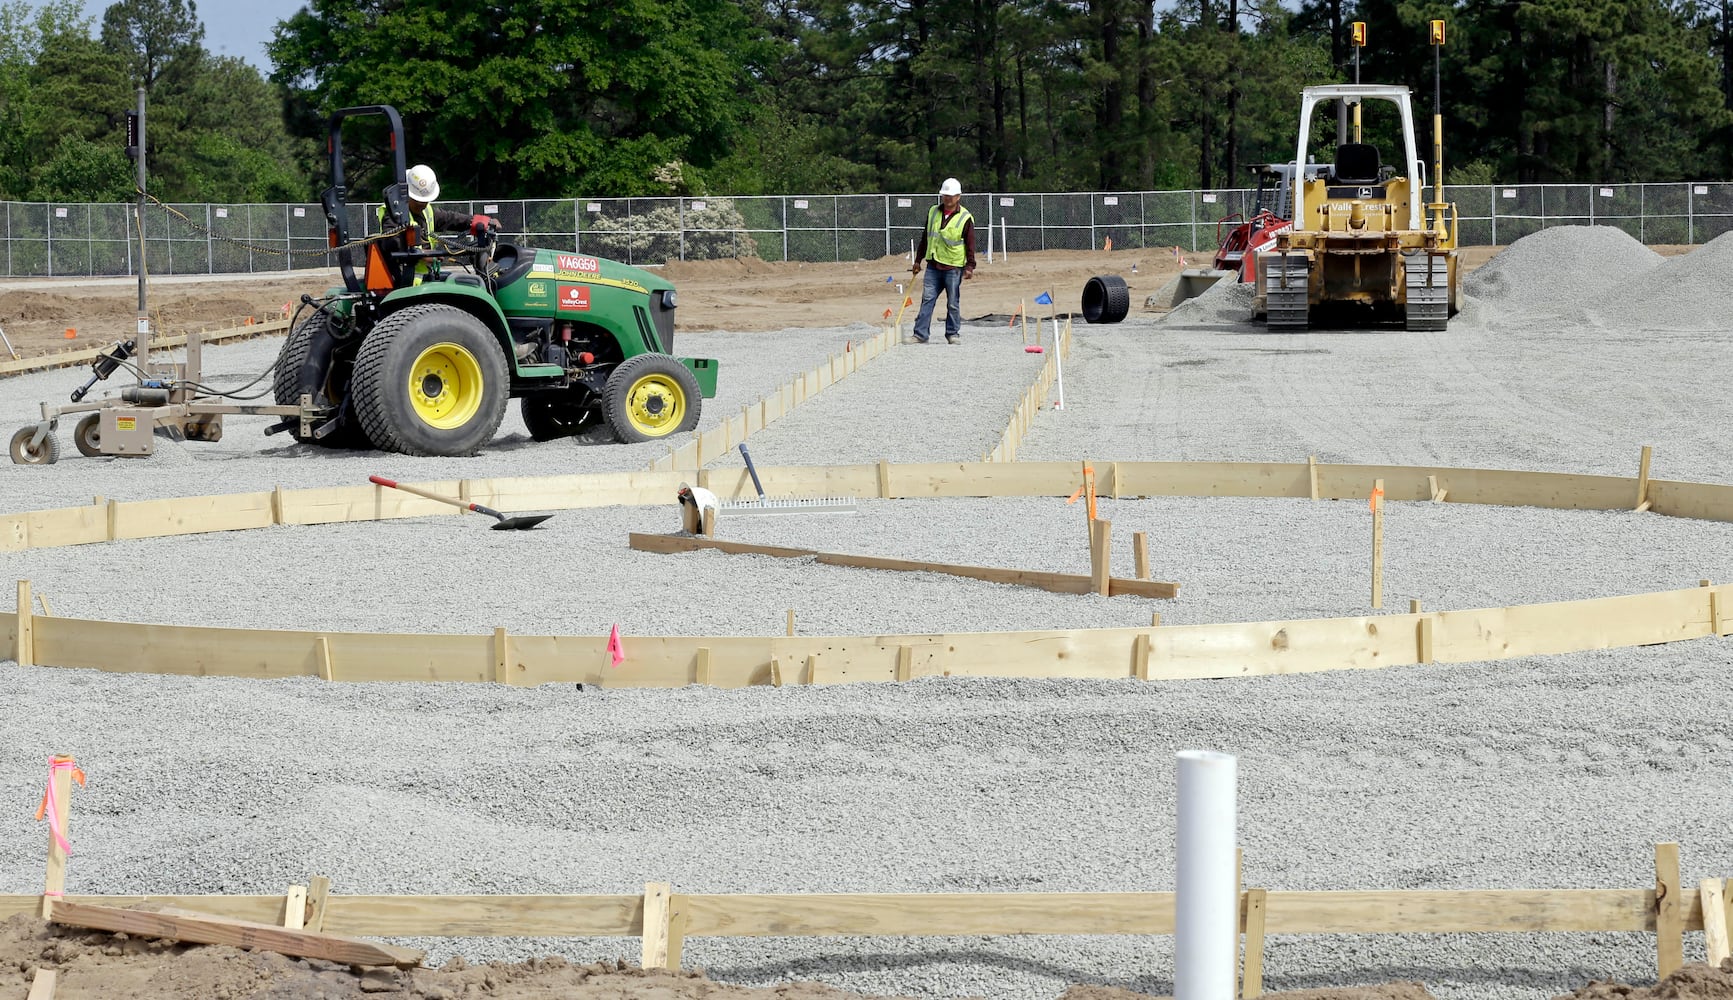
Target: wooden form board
x=260 y=653
x=1064 y=583
x=1168 y=653
x=203 y=928
x=920 y=914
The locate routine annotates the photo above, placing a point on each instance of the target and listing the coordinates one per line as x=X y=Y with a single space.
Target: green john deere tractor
x=424 y=363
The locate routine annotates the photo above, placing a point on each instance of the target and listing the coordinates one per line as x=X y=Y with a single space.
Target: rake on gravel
x=783 y=505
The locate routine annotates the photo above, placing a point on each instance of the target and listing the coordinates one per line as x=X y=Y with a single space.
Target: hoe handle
x=394 y=484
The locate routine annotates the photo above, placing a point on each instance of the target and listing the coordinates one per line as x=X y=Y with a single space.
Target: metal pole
x=143 y=257
x=785 y=230
x=1206 y=896
x=887 y=225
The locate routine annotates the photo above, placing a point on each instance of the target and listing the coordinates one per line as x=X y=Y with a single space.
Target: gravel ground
x=1544 y=772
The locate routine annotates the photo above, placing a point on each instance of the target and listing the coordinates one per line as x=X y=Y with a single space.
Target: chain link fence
x=53 y=240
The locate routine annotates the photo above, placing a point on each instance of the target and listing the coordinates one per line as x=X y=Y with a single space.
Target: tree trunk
x=1111 y=112
x=1231 y=161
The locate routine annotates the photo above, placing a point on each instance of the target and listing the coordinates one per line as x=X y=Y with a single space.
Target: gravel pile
x=1562 y=270
x=1688 y=292
x=1548 y=772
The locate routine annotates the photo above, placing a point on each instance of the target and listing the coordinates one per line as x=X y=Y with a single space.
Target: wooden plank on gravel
x=192 y=515
x=260 y=908
x=486 y=916
x=205 y=928
x=42 y=987
x=1712 y=895
x=1061 y=583
x=1570 y=626
x=923 y=914
x=1459 y=911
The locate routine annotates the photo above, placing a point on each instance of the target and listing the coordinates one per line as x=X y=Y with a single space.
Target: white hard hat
x=423 y=185
x=950 y=187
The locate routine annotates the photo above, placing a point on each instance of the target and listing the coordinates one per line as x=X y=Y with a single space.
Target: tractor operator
x=423 y=188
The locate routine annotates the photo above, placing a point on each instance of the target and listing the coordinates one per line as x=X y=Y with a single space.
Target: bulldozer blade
x=1194 y=281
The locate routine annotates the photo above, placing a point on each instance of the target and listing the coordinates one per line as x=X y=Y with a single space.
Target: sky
x=232 y=27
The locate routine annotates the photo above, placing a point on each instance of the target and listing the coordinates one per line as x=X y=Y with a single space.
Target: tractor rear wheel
x=430 y=380
x=552 y=416
x=328 y=384
x=650 y=397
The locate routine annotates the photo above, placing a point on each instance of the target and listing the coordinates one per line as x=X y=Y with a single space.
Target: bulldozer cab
x=1357 y=171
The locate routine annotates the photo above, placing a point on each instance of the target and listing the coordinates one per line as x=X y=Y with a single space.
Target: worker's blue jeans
x=952 y=281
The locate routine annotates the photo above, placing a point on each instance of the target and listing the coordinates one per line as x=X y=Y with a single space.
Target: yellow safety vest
x=945 y=239
x=424 y=225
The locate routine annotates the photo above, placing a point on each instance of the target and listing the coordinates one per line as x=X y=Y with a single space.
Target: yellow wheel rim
x=445 y=386
x=656 y=405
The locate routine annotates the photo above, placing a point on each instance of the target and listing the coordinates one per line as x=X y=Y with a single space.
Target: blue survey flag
x=1044 y=299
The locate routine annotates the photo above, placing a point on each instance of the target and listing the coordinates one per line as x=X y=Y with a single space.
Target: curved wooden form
x=1153 y=653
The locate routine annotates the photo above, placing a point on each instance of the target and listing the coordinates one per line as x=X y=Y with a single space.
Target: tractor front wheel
x=650 y=397
x=430 y=381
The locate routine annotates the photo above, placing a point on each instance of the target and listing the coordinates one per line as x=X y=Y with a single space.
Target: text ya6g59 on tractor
x=419 y=351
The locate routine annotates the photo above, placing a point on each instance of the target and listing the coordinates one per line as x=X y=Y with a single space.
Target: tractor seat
x=512 y=263
x=1356 y=163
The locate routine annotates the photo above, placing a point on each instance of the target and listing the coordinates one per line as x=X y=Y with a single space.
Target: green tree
x=539 y=98
x=153 y=35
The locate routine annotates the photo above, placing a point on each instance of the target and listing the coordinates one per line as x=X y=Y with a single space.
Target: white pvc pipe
x=989 y=243
x=1004 y=238
x=1206 y=896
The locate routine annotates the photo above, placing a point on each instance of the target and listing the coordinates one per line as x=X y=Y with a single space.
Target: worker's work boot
x=951 y=338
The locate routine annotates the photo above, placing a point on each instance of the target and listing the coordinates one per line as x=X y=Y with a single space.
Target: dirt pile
x=1561 y=271
x=1696 y=981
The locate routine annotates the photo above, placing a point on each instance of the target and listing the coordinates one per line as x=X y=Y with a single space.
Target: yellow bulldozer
x=1364 y=246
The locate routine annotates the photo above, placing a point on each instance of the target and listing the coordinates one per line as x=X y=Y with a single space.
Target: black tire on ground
x=46 y=453
x=551 y=416
x=327 y=386
x=651 y=397
x=87 y=436
x=430 y=380
x=1105 y=299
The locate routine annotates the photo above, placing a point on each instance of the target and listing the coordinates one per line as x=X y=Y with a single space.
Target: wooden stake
x=1413 y=606
x=1113 y=470
x=656 y=925
x=1312 y=473
x=1715 y=940
x=905 y=663
x=47 y=609
x=1256 y=906
x=812 y=668
x=1423 y=640
x=501 y=657
x=42 y=987
x=701 y=673
x=710 y=522
x=25 y=654
x=1140 y=657
x=54 y=878
x=1432 y=487
x=775 y=672
x=1140 y=550
x=1100 y=555
x=295 y=907
x=322 y=658
x=1669 y=911
x=790 y=621
x=884 y=480
x=1239 y=912
x=1643 y=478
x=113 y=515
x=1155 y=619
x=318 y=894
x=1378 y=543
x=1714 y=612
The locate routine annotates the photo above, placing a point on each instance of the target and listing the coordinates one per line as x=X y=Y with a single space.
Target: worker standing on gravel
x=423 y=188
x=948 y=242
